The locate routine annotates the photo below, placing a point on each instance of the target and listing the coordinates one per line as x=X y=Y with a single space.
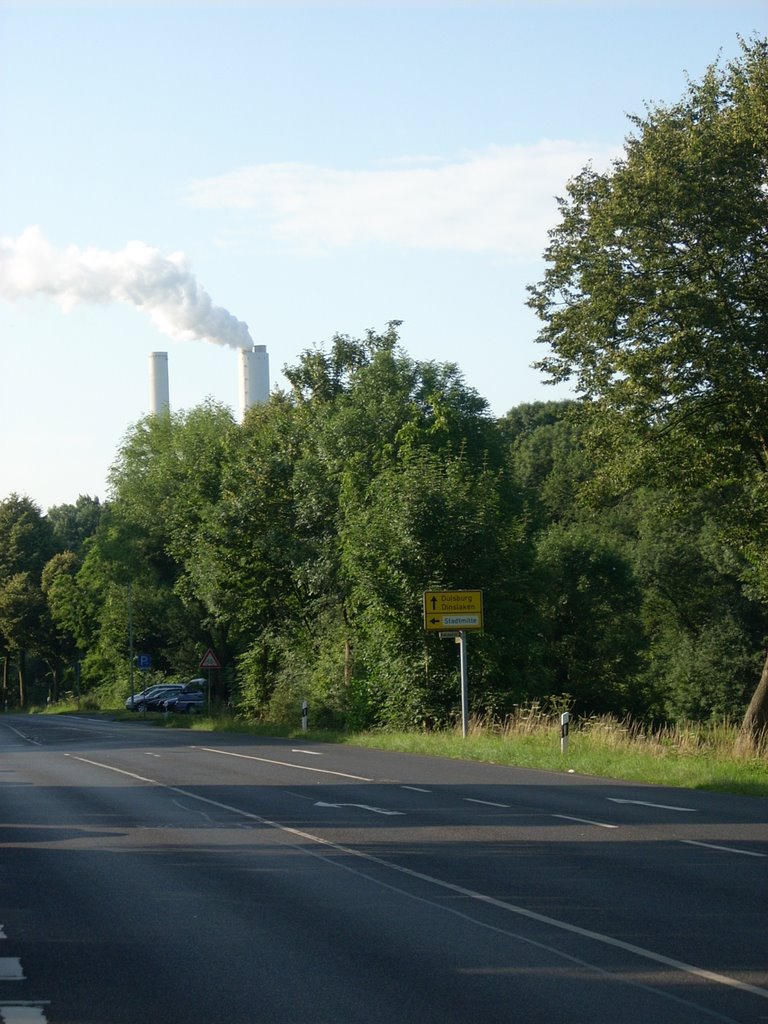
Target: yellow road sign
x=453 y=609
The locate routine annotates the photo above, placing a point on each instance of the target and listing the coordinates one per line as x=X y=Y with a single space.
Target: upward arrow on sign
x=210 y=660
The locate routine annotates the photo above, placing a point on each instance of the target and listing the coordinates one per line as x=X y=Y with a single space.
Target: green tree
x=435 y=520
x=164 y=482
x=22 y=612
x=704 y=631
x=592 y=635
x=72 y=525
x=547 y=460
x=63 y=632
x=26 y=544
x=655 y=304
x=276 y=562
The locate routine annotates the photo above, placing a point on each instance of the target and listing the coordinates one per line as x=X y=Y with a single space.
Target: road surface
x=177 y=876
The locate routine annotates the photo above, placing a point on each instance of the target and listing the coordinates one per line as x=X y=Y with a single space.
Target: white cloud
x=163 y=287
x=500 y=199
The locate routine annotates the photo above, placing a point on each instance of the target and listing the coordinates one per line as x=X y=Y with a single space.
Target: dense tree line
x=298 y=546
x=619 y=538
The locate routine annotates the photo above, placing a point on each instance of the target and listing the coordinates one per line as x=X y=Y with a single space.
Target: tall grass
x=696 y=755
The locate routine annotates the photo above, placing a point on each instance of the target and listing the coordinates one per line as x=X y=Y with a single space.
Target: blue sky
x=312 y=168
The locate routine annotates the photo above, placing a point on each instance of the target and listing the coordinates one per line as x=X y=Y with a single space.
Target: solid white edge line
x=111 y=768
x=723 y=849
x=531 y=915
x=284 y=764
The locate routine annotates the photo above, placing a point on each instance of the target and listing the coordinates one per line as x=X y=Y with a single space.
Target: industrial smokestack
x=159 y=398
x=254 y=377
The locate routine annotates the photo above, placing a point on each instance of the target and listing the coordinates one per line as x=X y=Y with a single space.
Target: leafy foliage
x=655 y=303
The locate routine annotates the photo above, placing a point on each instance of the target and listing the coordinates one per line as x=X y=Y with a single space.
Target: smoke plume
x=163 y=287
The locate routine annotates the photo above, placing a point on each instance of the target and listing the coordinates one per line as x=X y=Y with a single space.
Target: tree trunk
x=754 y=728
x=348 y=663
x=22 y=664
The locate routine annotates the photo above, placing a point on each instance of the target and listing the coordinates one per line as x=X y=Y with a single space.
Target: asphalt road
x=175 y=877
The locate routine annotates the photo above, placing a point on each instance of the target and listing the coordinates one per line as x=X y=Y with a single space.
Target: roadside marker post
x=564 y=720
x=304 y=716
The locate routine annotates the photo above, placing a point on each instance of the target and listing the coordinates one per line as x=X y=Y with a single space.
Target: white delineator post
x=564 y=720
x=304 y=716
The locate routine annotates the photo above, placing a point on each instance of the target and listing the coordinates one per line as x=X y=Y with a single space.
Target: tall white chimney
x=254 y=377
x=159 y=400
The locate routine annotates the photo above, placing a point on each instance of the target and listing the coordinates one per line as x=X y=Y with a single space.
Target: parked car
x=154 y=701
x=191 y=699
x=133 y=702
x=187 y=704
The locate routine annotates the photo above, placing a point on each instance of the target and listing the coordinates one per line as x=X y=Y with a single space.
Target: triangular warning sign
x=210 y=660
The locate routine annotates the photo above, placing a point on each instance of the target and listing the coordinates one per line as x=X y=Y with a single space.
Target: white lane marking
x=284 y=764
x=29 y=739
x=314 y=753
x=584 y=821
x=2 y=932
x=511 y=908
x=364 y=807
x=150 y=753
x=22 y=1013
x=10 y=969
x=644 y=803
x=120 y=771
x=487 y=803
x=724 y=849
x=416 y=789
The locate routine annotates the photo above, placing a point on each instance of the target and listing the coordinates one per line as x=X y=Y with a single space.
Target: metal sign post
x=461 y=640
x=450 y=613
x=209 y=661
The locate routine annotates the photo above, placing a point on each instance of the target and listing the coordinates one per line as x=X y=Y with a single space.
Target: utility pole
x=130 y=634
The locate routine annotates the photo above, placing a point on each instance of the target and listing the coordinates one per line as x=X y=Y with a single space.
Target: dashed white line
x=314 y=753
x=416 y=789
x=10 y=969
x=723 y=849
x=584 y=821
x=363 y=807
x=487 y=803
x=22 y=1013
x=645 y=803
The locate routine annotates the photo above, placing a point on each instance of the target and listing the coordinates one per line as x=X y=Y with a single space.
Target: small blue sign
x=144 y=662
